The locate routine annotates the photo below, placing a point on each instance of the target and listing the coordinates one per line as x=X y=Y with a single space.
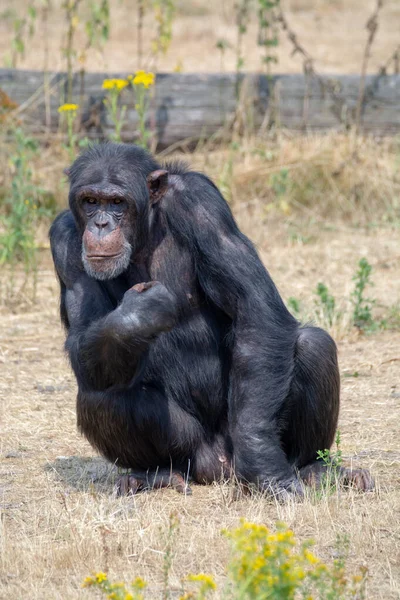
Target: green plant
x=242 y=12
x=362 y=311
x=294 y=305
x=268 y=31
x=280 y=184
x=333 y=461
x=116 y=591
x=97 y=28
x=173 y=528
x=225 y=180
x=264 y=565
x=114 y=88
x=164 y=12
x=222 y=45
x=22 y=210
x=326 y=302
x=392 y=321
x=23 y=28
x=98 y=25
x=142 y=82
x=70 y=112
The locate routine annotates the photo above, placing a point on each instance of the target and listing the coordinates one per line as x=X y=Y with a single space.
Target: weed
x=164 y=12
x=17 y=241
x=70 y=112
x=242 y=10
x=297 y=237
x=263 y=565
x=222 y=45
x=333 y=462
x=116 y=591
x=268 y=31
x=326 y=303
x=294 y=305
x=97 y=29
x=141 y=83
x=173 y=527
x=114 y=88
x=392 y=321
x=23 y=28
x=280 y=184
x=362 y=312
x=225 y=180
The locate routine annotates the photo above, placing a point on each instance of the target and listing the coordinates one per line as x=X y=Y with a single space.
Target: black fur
x=206 y=369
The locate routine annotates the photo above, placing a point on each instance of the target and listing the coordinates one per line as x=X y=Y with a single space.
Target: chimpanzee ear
x=157 y=182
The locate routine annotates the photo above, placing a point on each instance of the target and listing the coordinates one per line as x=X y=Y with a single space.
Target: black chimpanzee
x=187 y=361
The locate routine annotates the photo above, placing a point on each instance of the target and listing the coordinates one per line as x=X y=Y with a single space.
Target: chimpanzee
x=189 y=365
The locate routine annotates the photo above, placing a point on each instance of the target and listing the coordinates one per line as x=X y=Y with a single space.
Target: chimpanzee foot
x=287 y=491
x=316 y=474
x=360 y=479
x=139 y=481
x=282 y=492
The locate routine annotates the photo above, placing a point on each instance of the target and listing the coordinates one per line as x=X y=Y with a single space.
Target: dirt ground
x=332 y=31
x=60 y=518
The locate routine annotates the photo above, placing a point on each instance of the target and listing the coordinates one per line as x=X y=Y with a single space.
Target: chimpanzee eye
x=90 y=200
x=117 y=200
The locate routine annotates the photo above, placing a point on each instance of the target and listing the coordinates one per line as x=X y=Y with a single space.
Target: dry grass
x=325 y=177
x=60 y=519
x=332 y=30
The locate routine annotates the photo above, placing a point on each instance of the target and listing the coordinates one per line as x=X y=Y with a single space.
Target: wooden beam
x=189 y=106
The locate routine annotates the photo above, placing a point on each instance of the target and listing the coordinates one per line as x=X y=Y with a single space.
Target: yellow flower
x=178 y=68
x=139 y=583
x=114 y=84
x=310 y=557
x=68 y=107
x=206 y=580
x=88 y=581
x=144 y=79
x=100 y=577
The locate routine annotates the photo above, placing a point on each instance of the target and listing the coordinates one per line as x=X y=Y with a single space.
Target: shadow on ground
x=84 y=473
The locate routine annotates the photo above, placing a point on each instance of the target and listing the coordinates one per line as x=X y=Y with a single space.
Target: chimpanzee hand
x=146 y=309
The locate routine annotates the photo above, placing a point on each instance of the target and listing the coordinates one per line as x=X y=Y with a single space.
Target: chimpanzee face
x=106 y=247
x=113 y=190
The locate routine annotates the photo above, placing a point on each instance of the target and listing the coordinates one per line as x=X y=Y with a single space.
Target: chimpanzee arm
x=106 y=345
x=264 y=333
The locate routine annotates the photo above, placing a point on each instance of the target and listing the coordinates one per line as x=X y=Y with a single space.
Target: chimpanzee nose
x=101 y=221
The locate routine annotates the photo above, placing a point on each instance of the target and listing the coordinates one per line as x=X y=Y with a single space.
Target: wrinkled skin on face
x=106 y=252
x=109 y=198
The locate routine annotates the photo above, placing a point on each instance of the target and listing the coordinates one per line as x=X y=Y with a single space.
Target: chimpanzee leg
x=310 y=415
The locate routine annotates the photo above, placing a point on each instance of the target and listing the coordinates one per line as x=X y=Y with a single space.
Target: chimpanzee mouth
x=99 y=257
x=107 y=266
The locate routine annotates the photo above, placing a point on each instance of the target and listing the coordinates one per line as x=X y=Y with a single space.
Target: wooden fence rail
x=189 y=106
